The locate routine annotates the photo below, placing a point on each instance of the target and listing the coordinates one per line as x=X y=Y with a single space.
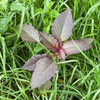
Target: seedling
x=44 y=66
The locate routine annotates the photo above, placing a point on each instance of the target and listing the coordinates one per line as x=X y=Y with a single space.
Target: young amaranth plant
x=43 y=66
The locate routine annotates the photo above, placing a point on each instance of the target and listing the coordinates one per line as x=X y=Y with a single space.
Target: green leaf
x=46 y=86
x=16 y=6
x=3 y=4
x=38 y=48
x=2 y=25
x=4 y=22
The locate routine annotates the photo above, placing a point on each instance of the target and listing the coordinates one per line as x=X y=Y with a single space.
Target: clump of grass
x=78 y=78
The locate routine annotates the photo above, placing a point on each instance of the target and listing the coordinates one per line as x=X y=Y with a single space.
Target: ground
x=78 y=78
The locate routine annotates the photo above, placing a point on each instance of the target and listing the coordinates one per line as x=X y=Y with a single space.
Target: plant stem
x=46 y=49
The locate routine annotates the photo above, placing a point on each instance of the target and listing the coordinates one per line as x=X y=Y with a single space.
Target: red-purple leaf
x=31 y=63
x=87 y=40
x=44 y=71
x=63 y=25
x=29 y=33
x=71 y=46
x=61 y=54
x=49 y=41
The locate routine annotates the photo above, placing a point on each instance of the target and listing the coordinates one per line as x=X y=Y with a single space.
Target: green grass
x=78 y=78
